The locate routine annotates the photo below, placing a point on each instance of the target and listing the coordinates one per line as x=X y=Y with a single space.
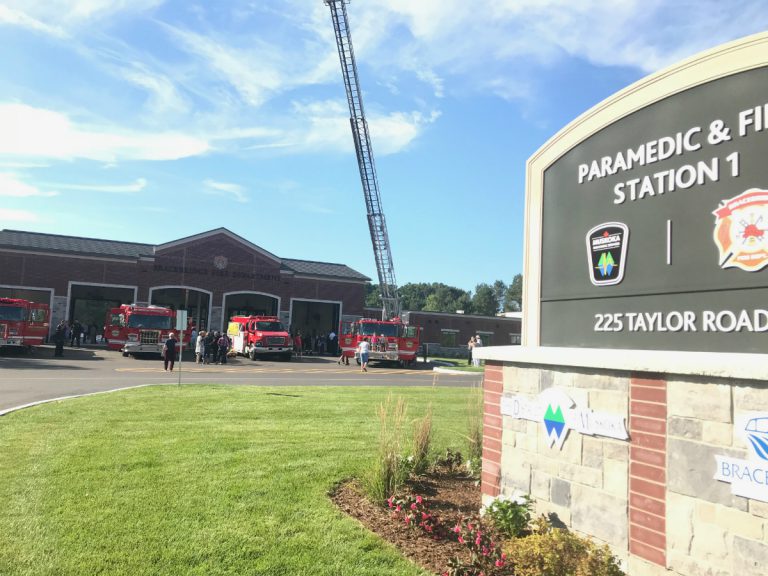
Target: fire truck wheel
x=252 y=354
x=358 y=361
x=125 y=354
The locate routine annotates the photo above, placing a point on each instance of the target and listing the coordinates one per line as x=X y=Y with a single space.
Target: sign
x=181 y=319
x=687 y=179
x=748 y=478
x=559 y=414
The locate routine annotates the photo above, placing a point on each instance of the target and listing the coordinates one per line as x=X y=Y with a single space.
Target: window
x=37 y=315
x=486 y=337
x=411 y=331
x=448 y=338
x=514 y=339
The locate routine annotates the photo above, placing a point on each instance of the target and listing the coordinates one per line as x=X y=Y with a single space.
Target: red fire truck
x=255 y=336
x=135 y=329
x=390 y=340
x=23 y=323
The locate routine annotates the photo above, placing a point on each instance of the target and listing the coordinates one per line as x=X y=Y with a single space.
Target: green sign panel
x=655 y=229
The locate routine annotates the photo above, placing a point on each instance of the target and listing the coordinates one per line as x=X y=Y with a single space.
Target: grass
x=456 y=364
x=201 y=480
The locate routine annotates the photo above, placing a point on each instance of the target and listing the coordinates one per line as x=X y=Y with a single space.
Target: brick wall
x=493 y=386
x=648 y=468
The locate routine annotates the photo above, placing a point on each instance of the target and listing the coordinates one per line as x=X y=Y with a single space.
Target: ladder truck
x=401 y=344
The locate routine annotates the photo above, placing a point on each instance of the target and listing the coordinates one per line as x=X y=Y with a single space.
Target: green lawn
x=199 y=480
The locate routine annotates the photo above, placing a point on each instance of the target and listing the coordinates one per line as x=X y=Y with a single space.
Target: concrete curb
x=31 y=404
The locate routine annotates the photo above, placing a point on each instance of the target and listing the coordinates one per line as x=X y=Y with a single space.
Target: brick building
x=214 y=275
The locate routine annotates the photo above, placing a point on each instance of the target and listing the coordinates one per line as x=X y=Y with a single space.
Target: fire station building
x=214 y=275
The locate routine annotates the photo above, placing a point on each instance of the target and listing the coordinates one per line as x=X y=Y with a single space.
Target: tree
x=484 y=301
x=499 y=291
x=373 y=296
x=447 y=299
x=513 y=297
x=414 y=296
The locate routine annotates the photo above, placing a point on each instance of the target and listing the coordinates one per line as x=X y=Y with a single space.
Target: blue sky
x=152 y=120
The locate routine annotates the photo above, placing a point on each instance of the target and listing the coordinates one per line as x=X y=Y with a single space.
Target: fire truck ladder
x=376 y=221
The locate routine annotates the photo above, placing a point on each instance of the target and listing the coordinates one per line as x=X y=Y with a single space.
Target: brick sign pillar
x=648 y=468
x=493 y=386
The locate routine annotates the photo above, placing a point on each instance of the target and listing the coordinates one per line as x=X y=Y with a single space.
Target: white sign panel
x=559 y=414
x=748 y=478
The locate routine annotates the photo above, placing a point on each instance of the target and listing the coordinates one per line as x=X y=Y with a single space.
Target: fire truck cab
x=255 y=336
x=138 y=329
x=390 y=340
x=23 y=324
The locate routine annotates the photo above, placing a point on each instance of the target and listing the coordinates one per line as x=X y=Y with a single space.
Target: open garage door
x=196 y=302
x=249 y=304
x=88 y=304
x=316 y=320
x=40 y=296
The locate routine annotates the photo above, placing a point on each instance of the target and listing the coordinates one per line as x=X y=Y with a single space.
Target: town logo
x=740 y=230
x=748 y=478
x=560 y=414
x=607 y=253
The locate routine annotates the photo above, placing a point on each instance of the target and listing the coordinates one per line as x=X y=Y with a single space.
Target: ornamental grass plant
x=390 y=469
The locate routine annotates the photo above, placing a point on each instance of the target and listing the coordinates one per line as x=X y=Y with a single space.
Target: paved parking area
x=41 y=377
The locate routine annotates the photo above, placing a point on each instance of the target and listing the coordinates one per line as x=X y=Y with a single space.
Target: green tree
x=499 y=291
x=484 y=300
x=447 y=299
x=372 y=296
x=414 y=296
x=513 y=297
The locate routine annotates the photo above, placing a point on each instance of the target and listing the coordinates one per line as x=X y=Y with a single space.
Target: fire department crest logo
x=220 y=262
x=607 y=253
x=741 y=223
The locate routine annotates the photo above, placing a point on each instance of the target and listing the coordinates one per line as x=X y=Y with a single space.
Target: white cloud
x=18 y=215
x=226 y=188
x=41 y=133
x=137 y=186
x=11 y=185
x=325 y=125
x=12 y=16
x=68 y=14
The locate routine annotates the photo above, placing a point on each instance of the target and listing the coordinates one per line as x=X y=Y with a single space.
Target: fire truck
x=255 y=336
x=390 y=340
x=23 y=324
x=135 y=329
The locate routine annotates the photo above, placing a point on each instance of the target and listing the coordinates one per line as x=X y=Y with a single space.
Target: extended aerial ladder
x=376 y=221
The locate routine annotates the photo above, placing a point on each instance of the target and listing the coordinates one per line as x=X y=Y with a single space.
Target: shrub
x=389 y=470
x=450 y=461
x=422 y=440
x=557 y=552
x=510 y=516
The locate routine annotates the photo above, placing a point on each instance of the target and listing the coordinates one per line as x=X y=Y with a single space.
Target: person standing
x=332 y=342
x=478 y=344
x=58 y=337
x=169 y=352
x=470 y=346
x=200 y=347
x=208 y=347
x=298 y=344
x=223 y=343
x=77 y=334
x=364 y=349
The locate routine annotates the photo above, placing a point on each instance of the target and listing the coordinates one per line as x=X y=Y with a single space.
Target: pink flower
x=399 y=508
x=457 y=529
x=477 y=541
x=461 y=540
x=503 y=556
x=389 y=501
x=407 y=519
x=469 y=527
x=424 y=515
x=419 y=499
x=413 y=506
x=499 y=563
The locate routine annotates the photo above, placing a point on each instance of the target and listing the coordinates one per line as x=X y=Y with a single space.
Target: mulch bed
x=450 y=497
